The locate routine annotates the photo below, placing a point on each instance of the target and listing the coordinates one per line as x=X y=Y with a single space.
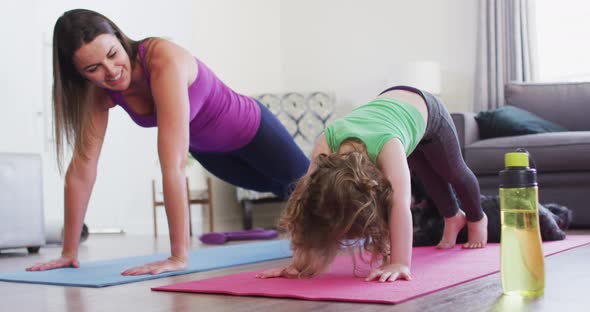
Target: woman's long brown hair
x=73 y=98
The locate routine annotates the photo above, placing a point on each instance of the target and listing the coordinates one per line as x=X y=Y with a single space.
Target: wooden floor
x=567 y=281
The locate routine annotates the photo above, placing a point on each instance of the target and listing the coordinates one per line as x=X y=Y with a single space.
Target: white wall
x=350 y=46
x=20 y=72
x=241 y=42
x=345 y=47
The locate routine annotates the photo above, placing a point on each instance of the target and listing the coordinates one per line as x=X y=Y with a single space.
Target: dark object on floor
x=428 y=224
x=54 y=234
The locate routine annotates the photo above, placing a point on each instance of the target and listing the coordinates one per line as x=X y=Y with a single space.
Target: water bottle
x=521 y=255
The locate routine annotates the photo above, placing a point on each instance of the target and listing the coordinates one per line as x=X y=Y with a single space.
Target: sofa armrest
x=467 y=129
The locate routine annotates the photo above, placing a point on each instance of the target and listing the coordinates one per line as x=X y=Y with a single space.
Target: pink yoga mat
x=432 y=270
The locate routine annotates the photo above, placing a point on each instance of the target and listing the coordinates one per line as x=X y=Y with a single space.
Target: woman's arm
x=79 y=181
x=320 y=147
x=393 y=163
x=171 y=70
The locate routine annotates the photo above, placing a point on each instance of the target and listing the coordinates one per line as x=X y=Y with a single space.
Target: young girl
x=358 y=186
x=159 y=84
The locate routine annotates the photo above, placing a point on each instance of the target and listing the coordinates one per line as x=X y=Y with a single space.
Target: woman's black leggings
x=271 y=162
x=437 y=161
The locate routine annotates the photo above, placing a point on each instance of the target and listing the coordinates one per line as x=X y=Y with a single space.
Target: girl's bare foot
x=453 y=226
x=477 y=233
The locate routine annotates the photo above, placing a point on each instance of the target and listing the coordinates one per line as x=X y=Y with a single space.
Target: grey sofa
x=562 y=158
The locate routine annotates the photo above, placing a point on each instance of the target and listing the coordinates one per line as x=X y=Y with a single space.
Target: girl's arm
x=393 y=163
x=79 y=181
x=171 y=70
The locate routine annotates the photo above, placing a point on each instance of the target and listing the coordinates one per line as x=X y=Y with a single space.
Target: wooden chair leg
x=210 y=204
x=154 y=208
x=155 y=222
x=247 y=210
x=210 y=217
x=190 y=217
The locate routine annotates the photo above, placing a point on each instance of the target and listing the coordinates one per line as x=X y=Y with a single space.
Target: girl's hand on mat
x=169 y=265
x=390 y=273
x=289 y=272
x=62 y=262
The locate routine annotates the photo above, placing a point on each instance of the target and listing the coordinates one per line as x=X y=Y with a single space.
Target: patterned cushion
x=304 y=115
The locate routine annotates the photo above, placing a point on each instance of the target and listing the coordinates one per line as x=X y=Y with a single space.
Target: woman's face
x=104 y=62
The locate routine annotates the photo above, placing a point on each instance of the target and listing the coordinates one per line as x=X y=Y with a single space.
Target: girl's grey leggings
x=437 y=161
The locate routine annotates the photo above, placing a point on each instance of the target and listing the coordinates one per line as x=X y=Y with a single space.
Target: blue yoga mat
x=108 y=272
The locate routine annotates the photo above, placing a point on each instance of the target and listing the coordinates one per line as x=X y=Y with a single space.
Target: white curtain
x=506 y=49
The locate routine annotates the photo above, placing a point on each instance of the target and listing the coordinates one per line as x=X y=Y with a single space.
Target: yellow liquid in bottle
x=522 y=262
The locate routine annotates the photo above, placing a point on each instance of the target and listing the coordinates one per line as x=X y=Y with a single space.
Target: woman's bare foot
x=477 y=233
x=453 y=226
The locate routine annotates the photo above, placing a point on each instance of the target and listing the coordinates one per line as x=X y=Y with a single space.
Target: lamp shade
x=424 y=75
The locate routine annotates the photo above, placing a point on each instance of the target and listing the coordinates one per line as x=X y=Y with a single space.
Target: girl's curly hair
x=346 y=197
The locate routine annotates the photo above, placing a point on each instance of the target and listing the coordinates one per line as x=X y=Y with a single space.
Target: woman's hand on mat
x=390 y=273
x=289 y=272
x=62 y=262
x=169 y=265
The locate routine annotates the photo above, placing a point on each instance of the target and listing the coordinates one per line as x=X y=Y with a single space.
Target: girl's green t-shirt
x=376 y=123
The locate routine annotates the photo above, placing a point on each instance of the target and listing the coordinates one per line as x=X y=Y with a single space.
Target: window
x=563 y=38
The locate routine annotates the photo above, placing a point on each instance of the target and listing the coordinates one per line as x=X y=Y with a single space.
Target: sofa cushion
x=564 y=103
x=509 y=121
x=552 y=152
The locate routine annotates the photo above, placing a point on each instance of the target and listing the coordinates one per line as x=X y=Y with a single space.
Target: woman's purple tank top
x=221 y=120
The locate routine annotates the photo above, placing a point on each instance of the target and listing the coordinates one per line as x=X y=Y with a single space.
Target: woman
x=160 y=85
